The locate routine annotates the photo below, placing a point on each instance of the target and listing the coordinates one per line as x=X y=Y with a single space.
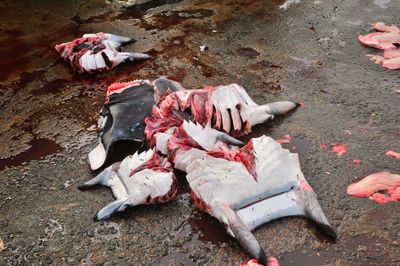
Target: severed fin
x=308 y=201
x=131 y=56
x=97 y=157
x=300 y=201
x=101 y=179
x=119 y=39
x=111 y=208
x=278 y=108
x=244 y=236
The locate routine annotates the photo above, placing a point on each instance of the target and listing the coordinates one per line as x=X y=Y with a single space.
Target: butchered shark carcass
x=242 y=186
x=97 y=52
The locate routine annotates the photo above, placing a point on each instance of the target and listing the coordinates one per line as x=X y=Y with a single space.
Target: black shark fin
x=124 y=116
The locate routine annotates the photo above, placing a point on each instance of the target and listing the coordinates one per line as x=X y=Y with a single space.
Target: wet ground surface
x=308 y=53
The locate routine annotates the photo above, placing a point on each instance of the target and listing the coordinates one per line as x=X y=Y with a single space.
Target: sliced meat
x=380 y=187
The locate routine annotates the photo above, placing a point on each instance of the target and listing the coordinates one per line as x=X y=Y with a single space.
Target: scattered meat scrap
x=356 y=161
x=381 y=187
x=97 y=52
x=339 y=149
x=286 y=139
x=272 y=261
x=393 y=154
x=385 y=38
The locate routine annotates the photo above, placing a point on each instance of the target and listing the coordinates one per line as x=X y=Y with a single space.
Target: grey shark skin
x=242 y=203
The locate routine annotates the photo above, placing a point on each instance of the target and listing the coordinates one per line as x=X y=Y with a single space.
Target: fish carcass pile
x=243 y=186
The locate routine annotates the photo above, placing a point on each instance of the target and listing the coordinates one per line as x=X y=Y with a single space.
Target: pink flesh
x=380 y=26
x=393 y=154
x=384 y=181
x=158 y=163
x=381 y=40
x=339 y=149
x=357 y=161
x=287 y=138
x=119 y=86
x=200 y=106
x=272 y=261
x=392 y=63
x=391 y=54
x=243 y=155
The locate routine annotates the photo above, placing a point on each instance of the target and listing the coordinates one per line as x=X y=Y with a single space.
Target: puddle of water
x=299 y=145
x=209 y=229
x=202 y=230
x=39 y=148
x=248 y=52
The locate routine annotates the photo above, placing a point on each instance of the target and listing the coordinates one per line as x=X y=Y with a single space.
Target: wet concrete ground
x=308 y=53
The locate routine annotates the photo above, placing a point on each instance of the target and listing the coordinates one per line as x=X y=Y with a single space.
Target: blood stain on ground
x=40 y=147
